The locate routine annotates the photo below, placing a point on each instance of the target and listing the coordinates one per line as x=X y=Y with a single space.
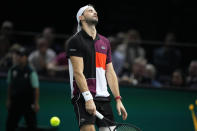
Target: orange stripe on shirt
x=101 y=60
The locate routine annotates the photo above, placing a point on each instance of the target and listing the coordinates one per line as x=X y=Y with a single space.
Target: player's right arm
x=75 y=53
x=78 y=66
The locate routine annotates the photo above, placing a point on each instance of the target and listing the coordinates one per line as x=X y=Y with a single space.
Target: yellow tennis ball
x=55 y=121
x=191 y=106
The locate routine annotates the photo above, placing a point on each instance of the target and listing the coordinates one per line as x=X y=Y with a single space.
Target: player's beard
x=90 y=21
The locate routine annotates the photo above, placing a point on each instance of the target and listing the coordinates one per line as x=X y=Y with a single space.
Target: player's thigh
x=89 y=127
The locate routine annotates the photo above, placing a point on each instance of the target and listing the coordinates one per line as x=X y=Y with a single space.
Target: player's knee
x=107 y=128
x=87 y=128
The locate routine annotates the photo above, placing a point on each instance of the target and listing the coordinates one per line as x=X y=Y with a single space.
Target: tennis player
x=90 y=69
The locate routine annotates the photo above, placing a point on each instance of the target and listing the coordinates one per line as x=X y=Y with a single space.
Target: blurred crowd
x=46 y=56
x=135 y=65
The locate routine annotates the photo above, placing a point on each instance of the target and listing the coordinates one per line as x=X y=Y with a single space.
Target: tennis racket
x=118 y=126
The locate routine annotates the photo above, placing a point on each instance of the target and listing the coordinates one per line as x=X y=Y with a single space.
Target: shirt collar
x=84 y=34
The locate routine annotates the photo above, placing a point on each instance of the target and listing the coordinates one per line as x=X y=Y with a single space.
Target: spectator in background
x=126 y=52
x=59 y=65
x=23 y=93
x=41 y=57
x=137 y=75
x=49 y=34
x=120 y=36
x=150 y=74
x=113 y=42
x=166 y=59
x=116 y=40
x=192 y=77
x=178 y=79
x=7 y=31
x=7 y=61
x=4 y=46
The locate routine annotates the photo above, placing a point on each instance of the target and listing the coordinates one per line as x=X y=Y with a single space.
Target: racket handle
x=99 y=115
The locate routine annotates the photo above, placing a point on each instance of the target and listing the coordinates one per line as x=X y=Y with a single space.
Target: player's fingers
x=90 y=107
x=90 y=111
x=94 y=112
x=119 y=111
x=124 y=117
x=124 y=114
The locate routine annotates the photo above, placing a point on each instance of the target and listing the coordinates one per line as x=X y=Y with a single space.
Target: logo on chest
x=103 y=47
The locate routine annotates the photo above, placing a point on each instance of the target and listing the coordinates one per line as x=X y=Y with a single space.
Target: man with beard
x=90 y=69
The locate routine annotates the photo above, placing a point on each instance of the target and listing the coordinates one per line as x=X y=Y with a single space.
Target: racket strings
x=121 y=127
x=126 y=128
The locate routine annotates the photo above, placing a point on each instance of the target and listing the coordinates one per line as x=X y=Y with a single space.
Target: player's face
x=90 y=16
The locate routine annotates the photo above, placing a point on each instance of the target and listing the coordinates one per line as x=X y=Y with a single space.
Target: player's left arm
x=113 y=84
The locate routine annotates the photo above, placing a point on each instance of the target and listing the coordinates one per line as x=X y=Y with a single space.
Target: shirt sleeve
x=109 y=58
x=34 y=80
x=9 y=77
x=74 y=48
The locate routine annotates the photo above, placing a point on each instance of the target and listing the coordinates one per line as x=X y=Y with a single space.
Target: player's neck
x=90 y=30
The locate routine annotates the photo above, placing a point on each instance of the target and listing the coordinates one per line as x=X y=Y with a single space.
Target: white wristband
x=87 y=95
